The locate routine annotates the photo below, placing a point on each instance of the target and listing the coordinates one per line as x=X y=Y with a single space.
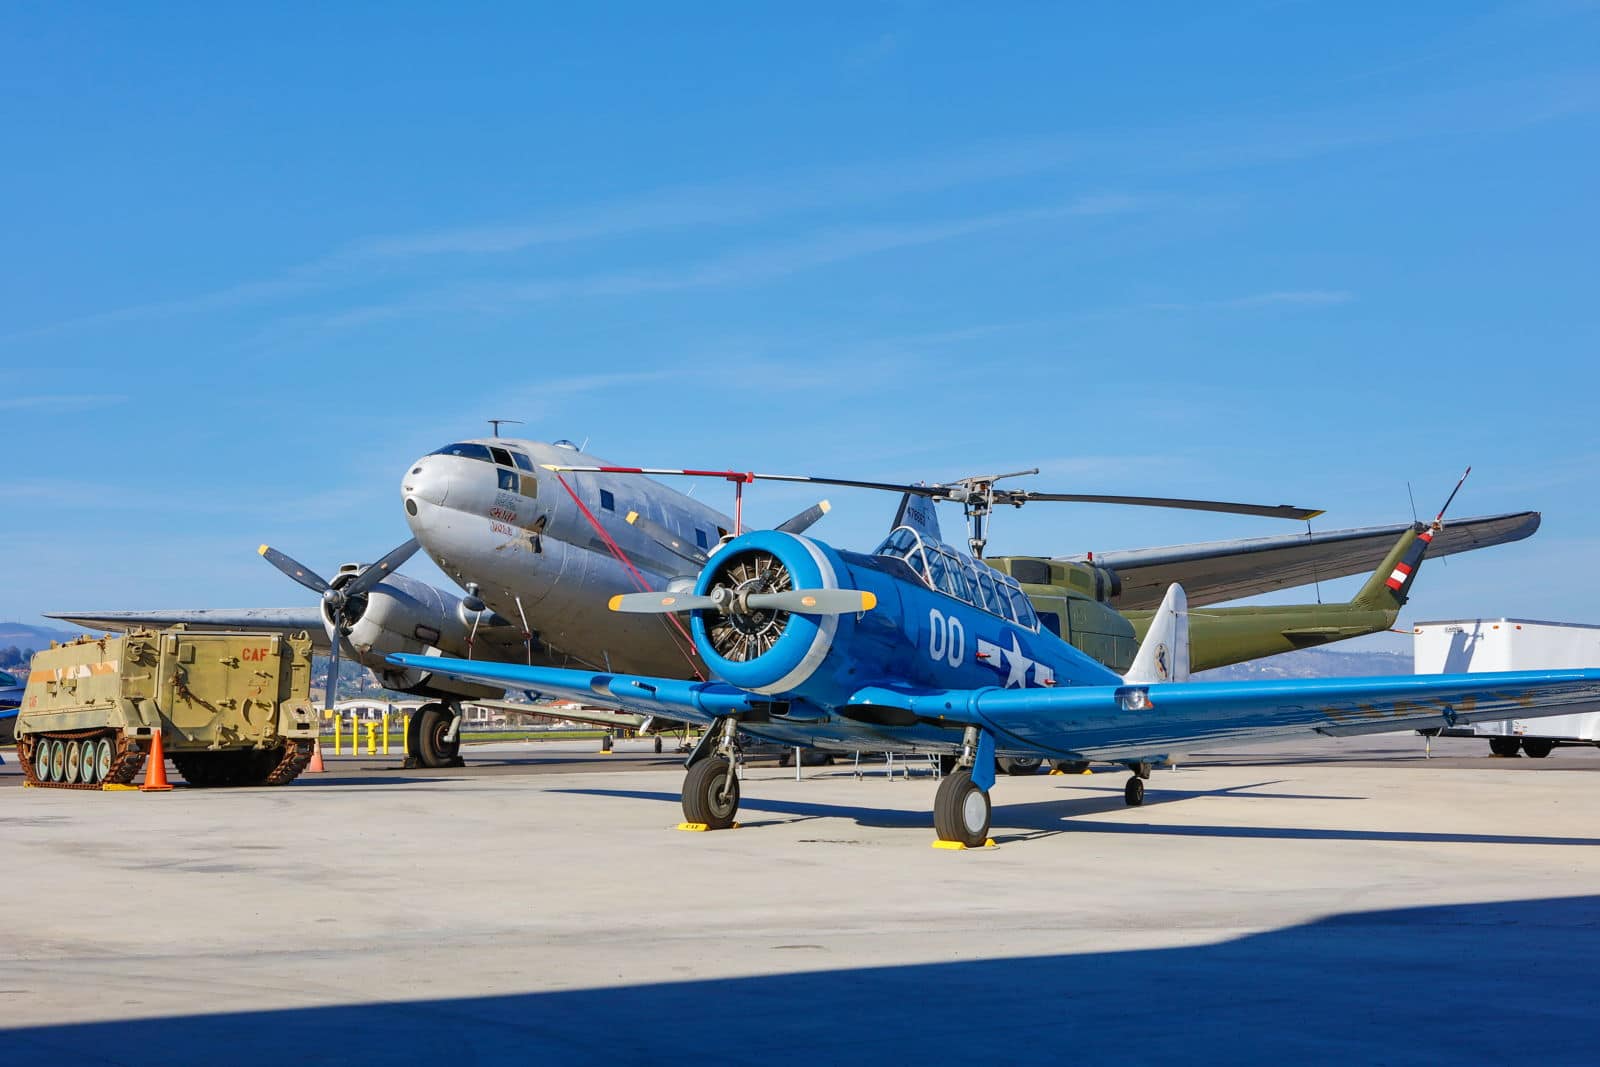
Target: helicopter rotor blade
x=376 y=572
x=1019 y=497
x=802 y=522
x=294 y=569
x=667 y=539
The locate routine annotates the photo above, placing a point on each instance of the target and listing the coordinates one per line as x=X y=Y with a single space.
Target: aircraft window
x=465 y=451
x=530 y=486
x=500 y=455
x=1052 y=622
x=509 y=481
x=701 y=539
x=522 y=461
x=1021 y=605
x=607 y=500
x=955 y=582
x=992 y=601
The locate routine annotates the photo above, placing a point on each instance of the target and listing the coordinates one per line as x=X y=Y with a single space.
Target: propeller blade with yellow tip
x=814 y=601
x=294 y=569
x=667 y=539
x=660 y=603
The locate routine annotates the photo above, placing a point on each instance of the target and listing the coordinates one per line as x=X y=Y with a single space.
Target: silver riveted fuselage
x=534 y=543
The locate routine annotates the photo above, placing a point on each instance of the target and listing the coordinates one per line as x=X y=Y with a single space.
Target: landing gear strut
x=434 y=737
x=711 y=788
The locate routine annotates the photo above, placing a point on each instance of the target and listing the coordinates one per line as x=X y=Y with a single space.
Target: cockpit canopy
x=956 y=574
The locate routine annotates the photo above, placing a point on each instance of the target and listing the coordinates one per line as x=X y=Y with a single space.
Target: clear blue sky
x=256 y=259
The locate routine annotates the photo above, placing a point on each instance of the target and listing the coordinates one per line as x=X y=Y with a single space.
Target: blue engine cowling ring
x=805 y=640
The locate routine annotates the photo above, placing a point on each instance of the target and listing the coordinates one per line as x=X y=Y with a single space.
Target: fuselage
x=550 y=549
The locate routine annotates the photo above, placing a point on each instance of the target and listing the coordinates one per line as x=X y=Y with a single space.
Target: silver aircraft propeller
x=337 y=598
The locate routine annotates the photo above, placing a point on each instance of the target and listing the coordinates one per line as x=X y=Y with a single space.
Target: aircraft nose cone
x=427 y=482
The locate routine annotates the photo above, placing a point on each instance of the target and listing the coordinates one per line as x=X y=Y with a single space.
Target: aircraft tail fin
x=1390 y=585
x=1164 y=654
x=919 y=513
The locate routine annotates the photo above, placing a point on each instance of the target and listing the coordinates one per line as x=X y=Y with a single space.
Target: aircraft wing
x=1099 y=722
x=208 y=620
x=1215 y=571
x=698 y=702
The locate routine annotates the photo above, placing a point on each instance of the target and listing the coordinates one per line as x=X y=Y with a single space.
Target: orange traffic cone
x=315 y=766
x=155 y=770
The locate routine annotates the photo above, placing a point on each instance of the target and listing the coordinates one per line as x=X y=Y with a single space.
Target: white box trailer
x=1465 y=646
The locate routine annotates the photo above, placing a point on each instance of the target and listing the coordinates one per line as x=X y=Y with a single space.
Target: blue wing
x=1099 y=722
x=700 y=702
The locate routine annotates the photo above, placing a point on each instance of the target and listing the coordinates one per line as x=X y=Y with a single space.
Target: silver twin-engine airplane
x=540 y=548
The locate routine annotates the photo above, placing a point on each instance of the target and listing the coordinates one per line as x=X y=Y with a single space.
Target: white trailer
x=1474 y=645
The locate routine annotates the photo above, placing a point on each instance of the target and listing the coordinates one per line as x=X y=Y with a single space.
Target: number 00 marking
x=947 y=638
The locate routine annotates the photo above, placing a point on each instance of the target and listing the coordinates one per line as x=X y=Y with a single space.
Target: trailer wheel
x=1505 y=746
x=1537 y=748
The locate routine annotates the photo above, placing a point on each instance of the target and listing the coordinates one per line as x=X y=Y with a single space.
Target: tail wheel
x=711 y=793
x=961 y=810
x=1021 y=765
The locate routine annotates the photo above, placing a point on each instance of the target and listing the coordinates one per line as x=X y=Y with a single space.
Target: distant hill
x=35 y=637
x=1313 y=663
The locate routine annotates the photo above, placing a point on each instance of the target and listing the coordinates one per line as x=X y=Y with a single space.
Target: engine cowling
x=774 y=653
x=401 y=614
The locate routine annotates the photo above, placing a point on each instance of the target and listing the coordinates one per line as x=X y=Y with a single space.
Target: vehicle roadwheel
x=102 y=759
x=1133 y=792
x=711 y=793
x=86 y=764
x=433 y=723
x=1021 y=765
x=58 y=761
x=1537 y=748
x=961 y=810
x=1504 y=746
x=41 y=758
x=74 y=761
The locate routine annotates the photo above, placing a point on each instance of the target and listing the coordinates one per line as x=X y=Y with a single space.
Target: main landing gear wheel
x=658 y=744
x=1133 y=792
x=433 y=724
x=1537 y=748
x=961 y=810
x=1505 y=746
x=711 y=793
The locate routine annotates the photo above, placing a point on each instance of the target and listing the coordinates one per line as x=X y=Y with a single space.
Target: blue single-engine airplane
x=917 y=647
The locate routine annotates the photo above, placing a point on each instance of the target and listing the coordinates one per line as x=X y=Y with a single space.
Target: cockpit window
x=509 y=481
x=465 y=451
x=955 y=574
x=522 y=461
x=500 y=456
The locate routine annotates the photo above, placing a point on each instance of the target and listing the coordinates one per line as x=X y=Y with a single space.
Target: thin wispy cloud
x=61 y=402
x=1279 y=298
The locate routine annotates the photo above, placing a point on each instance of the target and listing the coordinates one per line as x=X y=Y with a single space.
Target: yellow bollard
x=355 y=734
x=385 y=733
x=405 y=733
x=372 y=737
x=338 y=723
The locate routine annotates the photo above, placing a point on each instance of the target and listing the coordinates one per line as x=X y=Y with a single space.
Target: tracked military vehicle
x=232 y=708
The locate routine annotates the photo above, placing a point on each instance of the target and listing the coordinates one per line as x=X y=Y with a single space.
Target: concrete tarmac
x=1325 y=901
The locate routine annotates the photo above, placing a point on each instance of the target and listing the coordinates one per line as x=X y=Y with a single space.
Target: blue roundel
x=770 y=652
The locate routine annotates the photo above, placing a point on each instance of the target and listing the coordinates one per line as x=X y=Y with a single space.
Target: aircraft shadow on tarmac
x=1046 y=818
x=1482 y=982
